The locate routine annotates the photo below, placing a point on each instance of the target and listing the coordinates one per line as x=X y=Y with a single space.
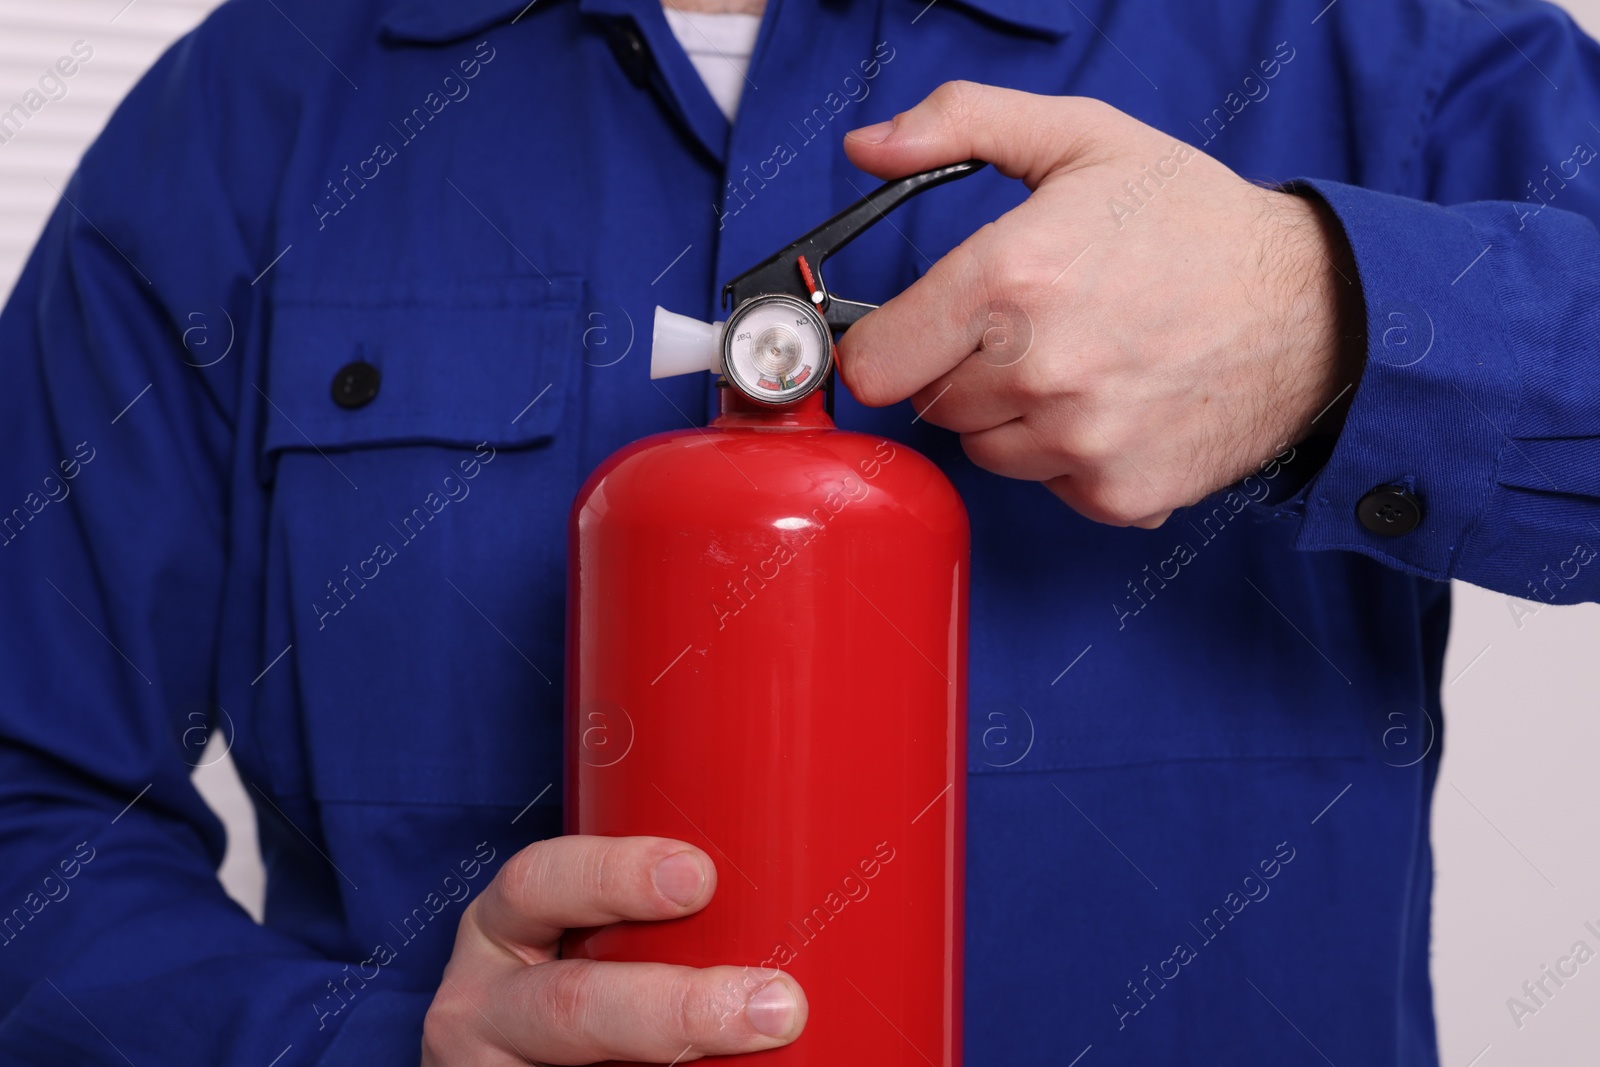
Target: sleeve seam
x=1449 y=57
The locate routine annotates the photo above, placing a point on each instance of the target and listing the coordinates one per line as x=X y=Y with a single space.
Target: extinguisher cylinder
x=767 y=639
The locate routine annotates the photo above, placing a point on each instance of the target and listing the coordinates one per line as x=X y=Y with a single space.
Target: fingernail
x=771 y=1011
x=680 y=878
x=874 y=134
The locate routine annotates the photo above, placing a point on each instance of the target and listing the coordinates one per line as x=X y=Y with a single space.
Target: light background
x=1517 y=869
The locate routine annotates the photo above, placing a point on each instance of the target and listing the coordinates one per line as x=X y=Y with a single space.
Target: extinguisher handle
x=782 y=271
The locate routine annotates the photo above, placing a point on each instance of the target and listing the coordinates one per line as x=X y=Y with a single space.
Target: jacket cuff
x=1415 y=464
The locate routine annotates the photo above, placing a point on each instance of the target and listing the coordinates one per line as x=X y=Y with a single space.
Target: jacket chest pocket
x=418 y=489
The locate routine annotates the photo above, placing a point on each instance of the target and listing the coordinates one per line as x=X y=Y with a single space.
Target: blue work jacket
x=336 y=315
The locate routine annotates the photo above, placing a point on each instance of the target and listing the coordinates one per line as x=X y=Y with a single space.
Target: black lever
x=783 y=272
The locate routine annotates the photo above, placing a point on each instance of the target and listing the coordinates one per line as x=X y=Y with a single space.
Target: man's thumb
x=1023 y=135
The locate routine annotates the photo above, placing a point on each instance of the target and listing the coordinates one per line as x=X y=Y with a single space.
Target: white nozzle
x=682 y=345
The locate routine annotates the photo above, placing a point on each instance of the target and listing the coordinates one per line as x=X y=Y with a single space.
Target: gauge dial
x=776 y=349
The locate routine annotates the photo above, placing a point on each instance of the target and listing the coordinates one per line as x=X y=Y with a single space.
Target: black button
x=627 y=44
x=355 y=385
x=1390 y=510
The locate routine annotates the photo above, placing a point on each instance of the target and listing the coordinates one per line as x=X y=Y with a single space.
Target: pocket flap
x=458 y=361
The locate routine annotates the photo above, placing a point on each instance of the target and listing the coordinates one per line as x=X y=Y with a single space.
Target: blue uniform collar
x=1047 y=17
x=435 y=22
x=432 y=22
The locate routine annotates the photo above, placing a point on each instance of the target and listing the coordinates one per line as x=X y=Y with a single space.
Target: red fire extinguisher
x=767 y=641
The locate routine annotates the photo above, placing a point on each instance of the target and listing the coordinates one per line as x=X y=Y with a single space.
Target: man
x=345 y=303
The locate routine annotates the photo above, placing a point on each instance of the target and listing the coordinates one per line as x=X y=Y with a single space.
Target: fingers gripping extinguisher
x=767 y=640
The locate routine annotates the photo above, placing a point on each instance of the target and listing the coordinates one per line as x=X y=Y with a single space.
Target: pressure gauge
x=776 y=348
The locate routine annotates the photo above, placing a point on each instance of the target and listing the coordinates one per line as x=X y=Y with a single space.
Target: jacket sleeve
x=117 y=415
x=1481 y=392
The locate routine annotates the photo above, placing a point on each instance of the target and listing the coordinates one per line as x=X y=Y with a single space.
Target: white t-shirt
x=719 y=46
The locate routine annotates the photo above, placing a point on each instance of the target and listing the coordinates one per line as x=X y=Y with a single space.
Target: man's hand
x=506 y=999
x=1145 y=329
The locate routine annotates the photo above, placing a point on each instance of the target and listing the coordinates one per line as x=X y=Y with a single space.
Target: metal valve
x=777 y=346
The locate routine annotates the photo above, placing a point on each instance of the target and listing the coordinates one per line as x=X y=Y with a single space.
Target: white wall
x=1517 y=871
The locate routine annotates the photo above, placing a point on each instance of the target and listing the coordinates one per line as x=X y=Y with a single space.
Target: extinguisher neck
x=740 y=412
